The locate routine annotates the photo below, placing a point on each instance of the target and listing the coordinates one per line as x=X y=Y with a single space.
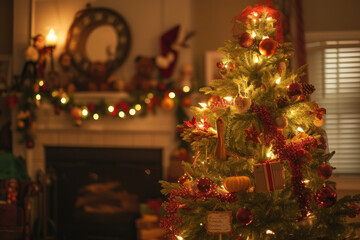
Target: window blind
x=334 y=69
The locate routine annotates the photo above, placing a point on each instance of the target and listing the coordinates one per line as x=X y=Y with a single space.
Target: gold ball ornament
x=167 y=103
x=319 y=122
x=242 y=104
x=20 y=124
x=76 y=113
x=281 y=67
x=237 y=183
x=267 y=47
x=281 y=122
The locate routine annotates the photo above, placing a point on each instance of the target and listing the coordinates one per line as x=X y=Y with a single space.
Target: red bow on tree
x=318 y=111
x=281 y=23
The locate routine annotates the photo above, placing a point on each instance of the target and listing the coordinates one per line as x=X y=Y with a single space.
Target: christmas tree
x=261 y=163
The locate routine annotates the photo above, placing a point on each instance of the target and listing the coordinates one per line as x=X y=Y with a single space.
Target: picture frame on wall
x=5 y=72
x=211 y=70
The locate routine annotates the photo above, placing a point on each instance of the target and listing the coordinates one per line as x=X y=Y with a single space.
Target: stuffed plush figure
x=143 y=79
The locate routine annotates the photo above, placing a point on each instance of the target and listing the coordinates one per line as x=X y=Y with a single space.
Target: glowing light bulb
x=265 y=37
x=203 y=104
x=300 y=129
x=200 y=125
x=63 y=100
x=179 y=237
x=137 y=107
x=84 y=112
x=256 y=59
x=150 y=95
x=253 y=34
x=172 y=95
x=306 y=181
x=121 y=114
x=255 y=14
x=278 y=80
x=270 y=154
x=268 y=19
x=201 y=224
x=186 y=89
x=270 y=232
x=229 y=99
x=132 y=112
x=147 y=101
x=41 y=83
x=54 y=93
x=51 y=38
x=38 y=97
x=96 y=116
x=111 y=108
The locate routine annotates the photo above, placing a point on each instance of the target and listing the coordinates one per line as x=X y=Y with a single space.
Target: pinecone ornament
x=307 y=89
x=282 y=102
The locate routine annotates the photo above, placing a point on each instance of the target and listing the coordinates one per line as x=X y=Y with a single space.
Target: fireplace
x=98 y=190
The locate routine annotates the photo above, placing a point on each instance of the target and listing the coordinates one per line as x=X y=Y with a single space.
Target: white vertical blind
x=334 y=69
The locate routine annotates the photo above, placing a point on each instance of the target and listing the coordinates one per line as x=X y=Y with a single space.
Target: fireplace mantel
x=152 y=131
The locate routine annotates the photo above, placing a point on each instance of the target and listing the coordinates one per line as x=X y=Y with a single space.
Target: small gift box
x=269 y=176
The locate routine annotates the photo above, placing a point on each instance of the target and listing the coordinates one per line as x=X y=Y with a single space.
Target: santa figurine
x=171 y=43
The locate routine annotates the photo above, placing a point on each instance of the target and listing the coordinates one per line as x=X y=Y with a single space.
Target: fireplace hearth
x=98 y=190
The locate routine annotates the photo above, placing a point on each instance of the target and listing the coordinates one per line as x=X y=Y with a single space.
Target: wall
x=147 y=20
x=6 y=26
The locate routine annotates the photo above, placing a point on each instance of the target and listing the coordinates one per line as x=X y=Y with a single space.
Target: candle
x=51 y=39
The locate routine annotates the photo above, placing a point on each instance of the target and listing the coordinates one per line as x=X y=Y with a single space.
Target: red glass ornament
x=356 y=211
x=244 y=216
x=57 y=110
x=325 y=197
x=219 y=64
x=203 y=184
x=246 y=40
x=30 y=144
x=324 y=171
x=294 y=90
x=183 y=179
x=231 y=65
x=267 y=47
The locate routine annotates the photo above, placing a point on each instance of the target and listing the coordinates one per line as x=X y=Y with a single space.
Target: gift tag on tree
x=219 y=222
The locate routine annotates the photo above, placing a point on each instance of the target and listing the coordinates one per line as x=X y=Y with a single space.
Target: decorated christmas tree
x=261 y=162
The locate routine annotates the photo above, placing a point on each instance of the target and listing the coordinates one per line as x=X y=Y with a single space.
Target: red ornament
x=356 y=212
x=57 y=110
x=325 y=197
x=91 y=107
x=186 y=102
x=30 y=144
x=167 y=103
x=294 y=90
x=324 y=171
x=246 y=40
x=43 y=88
x=203 y=184
x=252 y=135
x=219 y=64
x=183 y=179
x=231 y=65
x=267 y=47
x=244 y=216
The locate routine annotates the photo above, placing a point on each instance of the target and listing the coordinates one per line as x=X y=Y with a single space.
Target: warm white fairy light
x=111 y=108
x=137 y=107
x=186 y=89
x=54 y=93
x=300 y=129
x=270 y=232
x=147 y=101
x=201 y=224
x=41 y=83
x=256 y=59
x=265 y=37
x=229 y=99
x=270 y=154
x=121 y=114
x=63 y=100
x=172 y=95
x=96 y=116
x=255 y=14
x=84 y=112
x=254 y=20
x=38 y=97
x=268 y=19
x=253 y=34
x=278 y=80
x=203 y=104
x=132 y=112
x=179 y=237
x=150 y=95
x=306 y=181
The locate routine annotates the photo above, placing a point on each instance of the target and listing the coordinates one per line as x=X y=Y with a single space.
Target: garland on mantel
x=138 y=104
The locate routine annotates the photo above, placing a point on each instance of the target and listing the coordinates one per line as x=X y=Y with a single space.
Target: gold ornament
x=267 y=47
x=237 y=183
x=76 y=113
x=319 y=122
x=220 y=152
x=167 y=103
x=242 y=104
x=281 y=122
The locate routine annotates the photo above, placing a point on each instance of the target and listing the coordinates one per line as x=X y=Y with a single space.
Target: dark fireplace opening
x=97 y=191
